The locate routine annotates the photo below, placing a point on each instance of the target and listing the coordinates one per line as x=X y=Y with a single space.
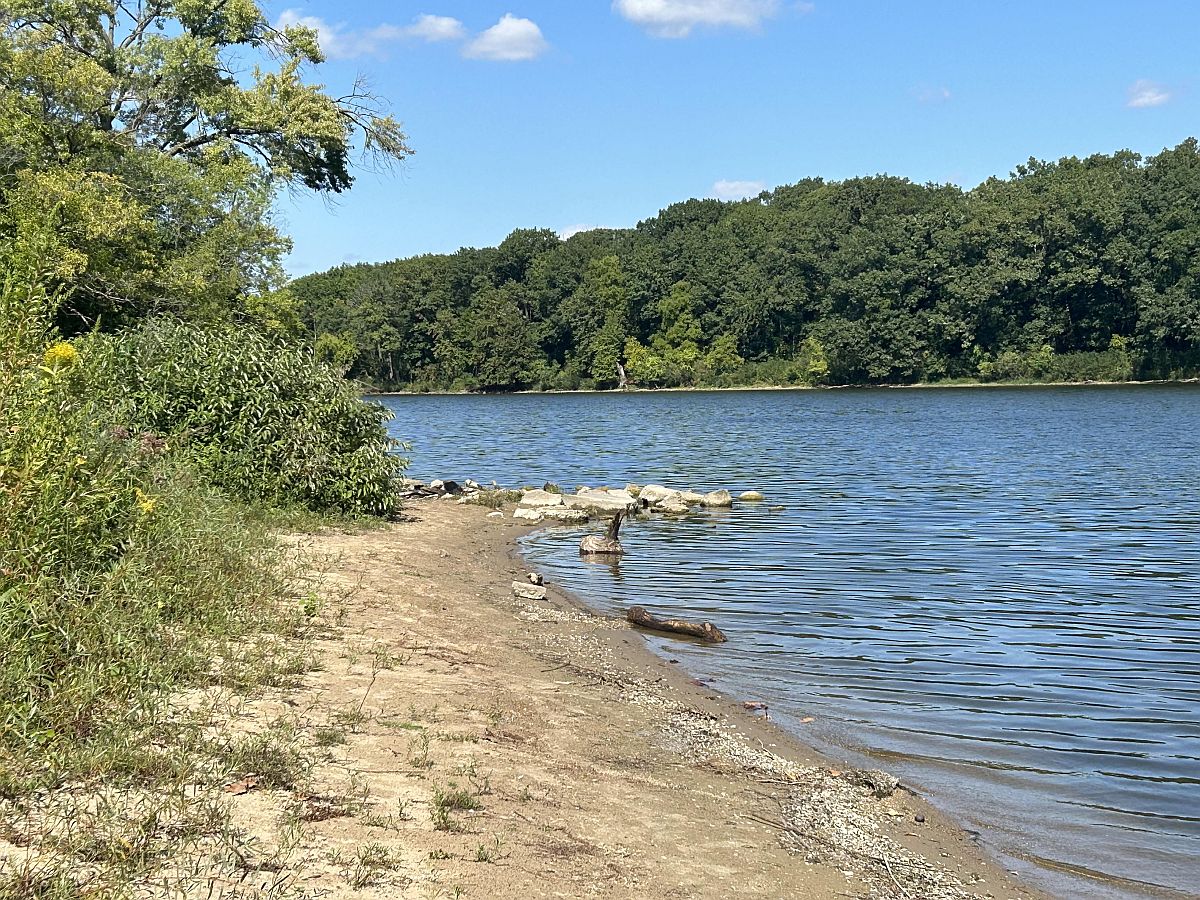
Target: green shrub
x=263 y=419
x=118 y=568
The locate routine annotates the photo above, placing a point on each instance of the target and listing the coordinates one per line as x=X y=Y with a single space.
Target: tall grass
x=119 y=567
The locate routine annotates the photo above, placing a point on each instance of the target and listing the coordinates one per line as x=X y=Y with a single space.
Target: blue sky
x=568 y=114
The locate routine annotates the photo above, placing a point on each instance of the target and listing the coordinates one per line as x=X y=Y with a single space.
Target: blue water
x=992 y=593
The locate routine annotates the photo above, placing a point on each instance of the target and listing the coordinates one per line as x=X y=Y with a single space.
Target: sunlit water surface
x=992 y=593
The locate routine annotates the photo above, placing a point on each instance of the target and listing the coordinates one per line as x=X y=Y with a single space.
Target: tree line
x=1080 y=269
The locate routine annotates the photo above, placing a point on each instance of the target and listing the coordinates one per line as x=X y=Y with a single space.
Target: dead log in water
x=706 y=631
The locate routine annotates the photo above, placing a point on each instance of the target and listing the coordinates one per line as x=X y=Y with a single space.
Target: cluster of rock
x=538 y=505
x=551 y=503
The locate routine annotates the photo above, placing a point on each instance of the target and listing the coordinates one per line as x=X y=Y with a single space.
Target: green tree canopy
x=140 y=156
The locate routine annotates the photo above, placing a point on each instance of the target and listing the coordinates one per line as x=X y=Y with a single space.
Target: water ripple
x=993 y=592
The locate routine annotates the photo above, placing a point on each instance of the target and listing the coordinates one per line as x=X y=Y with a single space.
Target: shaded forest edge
x=1075 y=270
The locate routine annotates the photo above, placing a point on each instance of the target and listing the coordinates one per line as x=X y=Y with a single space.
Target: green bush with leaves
x=118 y=568
x=264 y=420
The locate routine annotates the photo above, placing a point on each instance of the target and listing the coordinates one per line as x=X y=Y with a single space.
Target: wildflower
x=60 y=356
x=145 y=502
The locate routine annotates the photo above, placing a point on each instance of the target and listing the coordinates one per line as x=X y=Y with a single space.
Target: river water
x=992 y=593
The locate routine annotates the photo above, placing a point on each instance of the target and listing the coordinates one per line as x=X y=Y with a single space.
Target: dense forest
x=1081 y=269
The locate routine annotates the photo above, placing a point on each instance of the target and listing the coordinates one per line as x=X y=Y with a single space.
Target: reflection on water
x=992 y=592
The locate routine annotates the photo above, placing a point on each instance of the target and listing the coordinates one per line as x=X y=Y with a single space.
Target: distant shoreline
x=934 y=385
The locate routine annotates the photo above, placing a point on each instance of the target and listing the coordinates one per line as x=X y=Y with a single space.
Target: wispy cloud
x=1144 y=93
x=436 y=28
x=678 y=18
x=512 y=39
x=571 y=230
x=340 y=42
x=927 y=93
x=737 y=190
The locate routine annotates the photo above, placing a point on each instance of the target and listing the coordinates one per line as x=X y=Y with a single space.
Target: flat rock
x=691 y=498
x=527 y=591
x=673 y=507
x=717 y=499
x=602 y=502
x=527 y=515
x=538 y=498
x=565 y=514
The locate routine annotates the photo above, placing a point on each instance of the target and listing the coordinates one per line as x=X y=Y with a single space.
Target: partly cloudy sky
x=511 y=39
x=571 y=115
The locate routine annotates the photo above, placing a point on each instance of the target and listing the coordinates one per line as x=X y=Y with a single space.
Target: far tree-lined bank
x=1068 y=270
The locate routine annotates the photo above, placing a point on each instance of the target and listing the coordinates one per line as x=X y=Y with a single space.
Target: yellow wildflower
x=60 y=356
x=145 y=502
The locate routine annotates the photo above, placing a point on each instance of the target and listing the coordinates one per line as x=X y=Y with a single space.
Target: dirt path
x=476 y=745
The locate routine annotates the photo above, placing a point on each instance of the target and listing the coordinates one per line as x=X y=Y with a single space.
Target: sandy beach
x=500 y=747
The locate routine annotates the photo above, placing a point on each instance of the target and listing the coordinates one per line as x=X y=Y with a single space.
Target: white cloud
x=738 y=190
x=571 y=230
x=930 y=94
x=677 y=18
x=512 y=39
x=339 y=42
x=436 y=28
x=1144 y=93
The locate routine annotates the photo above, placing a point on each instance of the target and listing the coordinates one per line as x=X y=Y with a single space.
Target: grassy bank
x=142 y=479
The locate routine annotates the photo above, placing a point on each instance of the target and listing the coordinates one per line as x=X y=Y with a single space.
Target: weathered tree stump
x=706 y=631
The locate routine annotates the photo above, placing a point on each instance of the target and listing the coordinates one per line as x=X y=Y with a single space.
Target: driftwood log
x=706 y=631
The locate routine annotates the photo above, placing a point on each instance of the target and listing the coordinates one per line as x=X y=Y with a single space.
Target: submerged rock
x=717 y=499
x=751 y=496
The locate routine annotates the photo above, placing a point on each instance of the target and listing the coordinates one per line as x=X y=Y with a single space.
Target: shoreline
x=577 y=709
x=923 y=386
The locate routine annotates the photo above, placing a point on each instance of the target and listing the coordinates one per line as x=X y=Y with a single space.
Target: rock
x=437 y=484
x=673 y=507
x=535 y=578
x=565 y=515
x=446 y=487
x=880 y=783
x=540 y=499
x=471 y=485
x=717 y=499
x=691 y=498
x=495 y=515
x=551 y=488
x=528 y=591
x=602 y=502
x=653 y=494
x=633 y=490
x=527 y=515
x=751 y=496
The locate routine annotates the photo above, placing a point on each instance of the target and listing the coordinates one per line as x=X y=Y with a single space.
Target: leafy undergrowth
x=128 y=581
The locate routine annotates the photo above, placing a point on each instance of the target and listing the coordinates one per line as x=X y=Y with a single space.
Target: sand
x=597 y=769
